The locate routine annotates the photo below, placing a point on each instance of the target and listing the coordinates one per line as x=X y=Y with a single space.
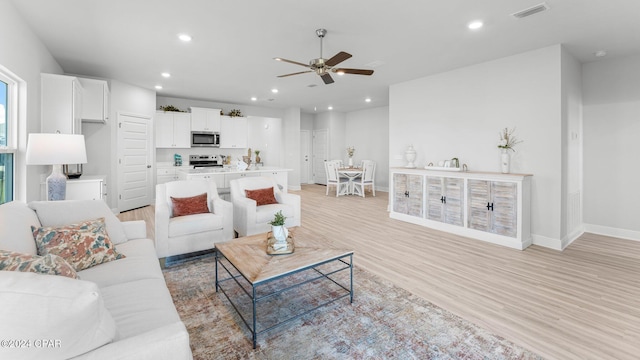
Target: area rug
x=383 y=322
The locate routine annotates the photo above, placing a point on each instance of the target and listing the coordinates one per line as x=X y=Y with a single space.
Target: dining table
x=350 y=173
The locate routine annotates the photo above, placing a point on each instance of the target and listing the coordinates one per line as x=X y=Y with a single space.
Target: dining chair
x=367 y=178
x=334 y=179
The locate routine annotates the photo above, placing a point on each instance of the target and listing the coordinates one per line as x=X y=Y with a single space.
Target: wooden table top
x=249 y=254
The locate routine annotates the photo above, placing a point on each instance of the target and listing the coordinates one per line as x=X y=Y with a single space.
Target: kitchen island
x=222 y=176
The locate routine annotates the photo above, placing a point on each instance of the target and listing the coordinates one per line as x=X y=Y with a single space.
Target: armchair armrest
x=224 y=208
x=135 y=229
x=244 y=213
x=294 y=201
x=162 y=227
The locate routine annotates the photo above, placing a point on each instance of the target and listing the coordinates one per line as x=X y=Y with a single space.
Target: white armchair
x=249 y=218
x=190 y=233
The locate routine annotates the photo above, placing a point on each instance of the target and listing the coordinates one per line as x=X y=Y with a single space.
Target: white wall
x=24 y=54
x=368 y=131
x=571 y=225
x=125 y=98
x=291 y=146
x=334 y=122
x=611 y=106
x=460 y=114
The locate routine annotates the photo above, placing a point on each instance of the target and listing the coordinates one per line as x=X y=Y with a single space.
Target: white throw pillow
x=59 y=213
x=51 y=317
x=16 y=219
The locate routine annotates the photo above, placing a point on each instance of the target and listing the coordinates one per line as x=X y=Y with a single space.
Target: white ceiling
x=234 y=42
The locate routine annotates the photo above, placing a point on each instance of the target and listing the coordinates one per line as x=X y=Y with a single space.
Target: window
x=8 y=122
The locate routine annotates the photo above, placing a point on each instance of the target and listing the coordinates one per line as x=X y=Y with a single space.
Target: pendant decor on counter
x=410 y=155
x=505 y=161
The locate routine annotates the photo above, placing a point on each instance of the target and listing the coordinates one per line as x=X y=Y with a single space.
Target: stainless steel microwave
x=205 y=139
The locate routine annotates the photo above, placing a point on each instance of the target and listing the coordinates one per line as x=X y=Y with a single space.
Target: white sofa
x=120 y=309
x=249 y=218
x=191 y=233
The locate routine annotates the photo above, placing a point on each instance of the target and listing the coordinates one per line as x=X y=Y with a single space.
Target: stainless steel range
x=202 y=161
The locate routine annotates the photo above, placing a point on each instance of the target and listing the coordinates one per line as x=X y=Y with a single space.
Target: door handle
x=148 y=166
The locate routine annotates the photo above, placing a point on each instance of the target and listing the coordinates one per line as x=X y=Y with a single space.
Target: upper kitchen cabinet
x=95 y=100
x=204 y=119
x=173 y=130
x=233 y=132
x=61 y=104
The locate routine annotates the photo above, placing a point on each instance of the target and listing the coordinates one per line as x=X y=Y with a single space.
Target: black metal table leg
x=255 y=331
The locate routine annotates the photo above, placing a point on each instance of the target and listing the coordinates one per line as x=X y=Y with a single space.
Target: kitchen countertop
x=229 y=170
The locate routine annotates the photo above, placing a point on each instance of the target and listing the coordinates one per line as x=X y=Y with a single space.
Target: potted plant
x=258 y=160
x=278 y=230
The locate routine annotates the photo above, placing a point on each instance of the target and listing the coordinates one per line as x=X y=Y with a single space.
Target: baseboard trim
x=555 y=244
x=613 y=232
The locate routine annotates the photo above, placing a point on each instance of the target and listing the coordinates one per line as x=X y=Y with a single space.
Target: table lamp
x=56 y=150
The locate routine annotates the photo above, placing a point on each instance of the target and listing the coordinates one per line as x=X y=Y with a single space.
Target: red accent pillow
x=190 y=205
x=262 y=196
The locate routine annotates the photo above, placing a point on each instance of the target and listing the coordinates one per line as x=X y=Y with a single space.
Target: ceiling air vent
x=530 y=11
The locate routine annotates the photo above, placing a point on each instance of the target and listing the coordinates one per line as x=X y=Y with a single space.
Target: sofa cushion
x=189 y=205
x=49 y=264
x=57 y=213
x=194 y=224
x=140 y=306
x=262 y=196
x=265 y=213
x=68 y=314
x=16 y=219
x=140 y=263
x=82 y=245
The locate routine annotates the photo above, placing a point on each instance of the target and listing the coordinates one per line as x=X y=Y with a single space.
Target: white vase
x=350 y=161
x=505 y=161
x=410 y=155
x=280 y=233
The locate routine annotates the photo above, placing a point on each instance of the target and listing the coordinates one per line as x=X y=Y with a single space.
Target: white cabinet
x=95 y=100
x=280 y=176
x=164 y=175
x=204 y=119
x=173 y=130
x=87 y=188
x=408 y=190
x=233 y=132
x=491 y=207
x=445 y=200
x=61 y=104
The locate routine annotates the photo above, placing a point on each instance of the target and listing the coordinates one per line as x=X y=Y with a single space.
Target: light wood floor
x=581 y=303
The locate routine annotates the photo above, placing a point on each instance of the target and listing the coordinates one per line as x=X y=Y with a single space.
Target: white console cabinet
x=492 y=207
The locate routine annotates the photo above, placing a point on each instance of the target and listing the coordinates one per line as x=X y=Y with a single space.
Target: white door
x=135 y=183
x=320 y=155
x=305 y=158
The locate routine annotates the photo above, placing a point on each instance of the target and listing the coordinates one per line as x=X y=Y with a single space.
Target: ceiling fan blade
x=353 y=71
x=338 y=58
x=297 y=73
x=327 y=79
x=291 y=62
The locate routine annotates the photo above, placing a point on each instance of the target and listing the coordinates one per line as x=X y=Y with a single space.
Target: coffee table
x=245 y=263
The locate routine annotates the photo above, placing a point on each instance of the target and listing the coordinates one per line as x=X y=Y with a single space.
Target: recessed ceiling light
x=330 y=108
x=600 y=53
x=367 y=99
x=159 y=87
x=475 y=25
x=165 y=74
x=274 y=90
x=184 y=37
x=254 y=98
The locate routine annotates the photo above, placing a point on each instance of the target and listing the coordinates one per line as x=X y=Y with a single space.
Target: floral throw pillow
x=262 y=196
x=190 y=205
x=49 y=264
x=82 y=245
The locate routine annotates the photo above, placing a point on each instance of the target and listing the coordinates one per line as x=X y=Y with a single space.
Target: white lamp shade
x=56 y=149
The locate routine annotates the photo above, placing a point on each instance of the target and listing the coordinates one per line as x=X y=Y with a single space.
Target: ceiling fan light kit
x=323 y=67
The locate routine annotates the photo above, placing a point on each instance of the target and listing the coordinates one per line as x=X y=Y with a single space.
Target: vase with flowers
x=350 y=151
x=507 y=142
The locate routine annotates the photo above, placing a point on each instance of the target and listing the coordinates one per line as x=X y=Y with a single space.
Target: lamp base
x=56 y=184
